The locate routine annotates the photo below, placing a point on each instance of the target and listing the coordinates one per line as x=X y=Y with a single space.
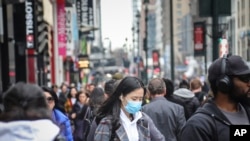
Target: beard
x=238 y=96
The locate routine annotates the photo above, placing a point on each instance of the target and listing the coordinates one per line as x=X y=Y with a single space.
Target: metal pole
x=215 y=29
x=172 y=41
x=146 y=42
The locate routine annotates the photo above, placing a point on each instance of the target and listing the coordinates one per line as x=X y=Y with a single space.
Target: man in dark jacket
x=229 y=79
x=187 y=99
x=168 y=117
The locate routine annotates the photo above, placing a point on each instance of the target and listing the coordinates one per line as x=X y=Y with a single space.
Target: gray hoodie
x=38 y=130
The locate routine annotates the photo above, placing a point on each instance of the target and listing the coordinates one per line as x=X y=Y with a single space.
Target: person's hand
x=73 y=116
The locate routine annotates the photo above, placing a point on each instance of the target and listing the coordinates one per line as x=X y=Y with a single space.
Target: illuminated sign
x=29 y=24
x=83 y=62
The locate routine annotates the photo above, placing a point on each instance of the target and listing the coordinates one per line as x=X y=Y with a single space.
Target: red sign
x=61 y=27
x=199 y=38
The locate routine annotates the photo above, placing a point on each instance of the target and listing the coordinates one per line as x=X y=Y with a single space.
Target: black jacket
x=208 y=124
x=190 y=105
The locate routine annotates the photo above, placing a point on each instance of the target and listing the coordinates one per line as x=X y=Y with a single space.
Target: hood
x=183 y=92
x=39 y=130
x=211 y=110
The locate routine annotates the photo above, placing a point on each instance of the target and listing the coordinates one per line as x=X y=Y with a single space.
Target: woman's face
x=73 y=92
x=136 y=96
x=83 y=98
x=50 y=100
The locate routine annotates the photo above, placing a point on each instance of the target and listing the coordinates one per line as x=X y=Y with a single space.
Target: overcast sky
x=116 y=21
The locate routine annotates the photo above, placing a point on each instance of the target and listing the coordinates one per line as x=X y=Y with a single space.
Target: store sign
x=199 y=39
x=29 y=24
x=83 y=62
x=69 y=29
x=61 y=27
x=156 y=61
x=85 y=12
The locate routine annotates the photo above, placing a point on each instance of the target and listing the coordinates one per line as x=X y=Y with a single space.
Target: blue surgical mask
x=133 y=106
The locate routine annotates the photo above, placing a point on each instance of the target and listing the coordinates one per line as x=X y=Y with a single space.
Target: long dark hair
x=96 y=99
x=24 y=102
x=53 y=94
x=111 y=107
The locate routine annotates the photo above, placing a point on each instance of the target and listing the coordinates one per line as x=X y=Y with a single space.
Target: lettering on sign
x=29 y=24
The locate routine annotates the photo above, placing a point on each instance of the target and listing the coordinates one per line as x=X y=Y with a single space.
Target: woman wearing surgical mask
x=120 y=117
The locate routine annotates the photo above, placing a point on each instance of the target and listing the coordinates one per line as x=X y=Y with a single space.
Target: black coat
x=190 y=105
x=208 y=124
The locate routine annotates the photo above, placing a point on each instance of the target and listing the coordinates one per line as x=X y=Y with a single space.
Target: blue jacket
x=63 y=122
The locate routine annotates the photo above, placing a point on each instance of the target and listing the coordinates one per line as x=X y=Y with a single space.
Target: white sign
x=29 y=24
x=69 y=31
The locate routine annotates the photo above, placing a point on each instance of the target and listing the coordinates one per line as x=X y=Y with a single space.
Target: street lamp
x=145 y=41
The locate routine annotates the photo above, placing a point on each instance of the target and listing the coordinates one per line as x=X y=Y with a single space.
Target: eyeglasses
x=50 y=99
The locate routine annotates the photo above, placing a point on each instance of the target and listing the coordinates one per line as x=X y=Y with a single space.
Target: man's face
x=241 y=88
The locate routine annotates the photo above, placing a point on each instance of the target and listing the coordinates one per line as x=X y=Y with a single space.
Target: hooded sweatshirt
x=187 y=99
x=208 y=124
x=38 y=130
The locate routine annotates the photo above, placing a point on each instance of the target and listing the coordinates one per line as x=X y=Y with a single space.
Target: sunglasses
x=244 y=78
x=49 y=99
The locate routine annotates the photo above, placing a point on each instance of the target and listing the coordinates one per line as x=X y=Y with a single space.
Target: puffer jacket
x=63 y=122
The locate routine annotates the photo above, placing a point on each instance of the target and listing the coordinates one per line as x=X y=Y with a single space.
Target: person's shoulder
x=106 y=120
x=60 y=115
x=174 y=105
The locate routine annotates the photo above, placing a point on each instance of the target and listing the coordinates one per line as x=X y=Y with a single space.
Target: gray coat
x=147 y=132
x=168 y=117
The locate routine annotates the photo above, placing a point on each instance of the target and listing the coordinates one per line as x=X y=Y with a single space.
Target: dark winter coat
x=208 y=124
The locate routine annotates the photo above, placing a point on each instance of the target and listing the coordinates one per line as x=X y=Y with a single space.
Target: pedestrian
x=229 y=79
x=63 y=94
x=71 y=100
x=109 y=88
x=168 y=117
x=188 y=100
x=57 y=115
x=196 y=88
x=78 y=114
x=120 y=117
x=26 y=116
